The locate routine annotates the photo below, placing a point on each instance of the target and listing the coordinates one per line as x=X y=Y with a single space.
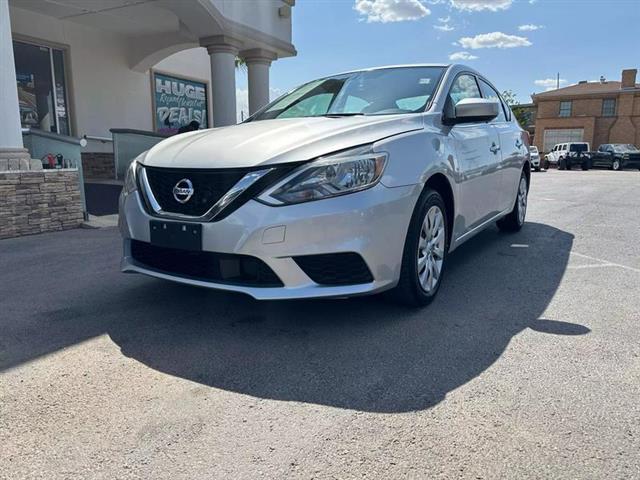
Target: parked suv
x=535 y=157
x=348 y=185
x=567 y=155
x=616 y=156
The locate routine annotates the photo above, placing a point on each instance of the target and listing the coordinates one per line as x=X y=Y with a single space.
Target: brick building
x=594 y=112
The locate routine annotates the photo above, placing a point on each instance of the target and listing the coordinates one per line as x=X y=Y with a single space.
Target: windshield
x=533 y=149
x=385 y=91
x=622 y=148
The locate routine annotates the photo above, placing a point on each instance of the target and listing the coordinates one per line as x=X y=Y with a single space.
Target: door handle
x=494 y=148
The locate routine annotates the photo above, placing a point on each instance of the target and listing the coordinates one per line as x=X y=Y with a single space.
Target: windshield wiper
x=345 y=114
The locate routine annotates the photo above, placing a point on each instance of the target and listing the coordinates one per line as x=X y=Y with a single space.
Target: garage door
x=561 y=135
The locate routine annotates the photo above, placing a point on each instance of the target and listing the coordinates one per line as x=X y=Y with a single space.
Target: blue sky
x=538 y=38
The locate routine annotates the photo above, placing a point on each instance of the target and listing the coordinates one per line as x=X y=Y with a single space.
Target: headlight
x=130 y=183
x=345 y=172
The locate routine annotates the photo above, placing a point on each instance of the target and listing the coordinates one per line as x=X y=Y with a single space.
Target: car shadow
x=363 y=353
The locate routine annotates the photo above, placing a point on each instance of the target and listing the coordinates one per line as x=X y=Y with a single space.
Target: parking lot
x=527 y=365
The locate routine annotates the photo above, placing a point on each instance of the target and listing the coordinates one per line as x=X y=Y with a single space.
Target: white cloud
x=462 y=56
x=549 y=83
x=529 y=27
x=391 y=10
x=493 y=40
x=444 y=25
x=479 y=5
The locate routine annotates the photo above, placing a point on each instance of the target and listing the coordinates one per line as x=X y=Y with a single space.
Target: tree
x=521 y=114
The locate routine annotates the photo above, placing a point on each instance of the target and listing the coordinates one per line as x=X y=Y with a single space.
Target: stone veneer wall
x=37 y=201
x=98 y=165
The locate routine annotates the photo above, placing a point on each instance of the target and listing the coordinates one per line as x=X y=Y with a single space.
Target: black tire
x=409 y=292
x=568 y=163
x=585 y=165
x=537 y=169
x=512 y=222
x=562 y=163
x=546 y=165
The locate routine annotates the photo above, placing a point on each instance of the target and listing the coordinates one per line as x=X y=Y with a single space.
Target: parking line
x=603 y=263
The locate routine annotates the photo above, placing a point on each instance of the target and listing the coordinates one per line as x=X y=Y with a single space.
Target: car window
x=355 y=104
x=311 y=106
x=384 y=91
x=412 y=103
x=489 y=93
x=578 y=147
x=464 y=86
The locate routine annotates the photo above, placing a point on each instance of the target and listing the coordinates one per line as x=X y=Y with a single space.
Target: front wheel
x=514 y=221
x=425 y=252
x=562 y=163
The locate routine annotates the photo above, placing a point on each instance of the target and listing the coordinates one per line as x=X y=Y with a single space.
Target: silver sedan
x=352 y=184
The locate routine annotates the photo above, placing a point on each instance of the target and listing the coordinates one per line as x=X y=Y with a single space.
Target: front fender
x=416 y=156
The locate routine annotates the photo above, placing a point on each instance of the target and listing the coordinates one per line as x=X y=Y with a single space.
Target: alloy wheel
x=522 y=200
x=431 y=249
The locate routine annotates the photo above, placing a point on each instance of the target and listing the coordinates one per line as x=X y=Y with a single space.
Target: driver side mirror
x=475 y=110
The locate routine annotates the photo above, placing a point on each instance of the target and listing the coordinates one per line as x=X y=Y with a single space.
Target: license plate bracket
x=181 y=235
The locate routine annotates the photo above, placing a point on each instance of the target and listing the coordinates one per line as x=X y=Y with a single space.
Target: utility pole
x=558 y=81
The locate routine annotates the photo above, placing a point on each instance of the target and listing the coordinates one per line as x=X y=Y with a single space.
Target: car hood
x=276 y=141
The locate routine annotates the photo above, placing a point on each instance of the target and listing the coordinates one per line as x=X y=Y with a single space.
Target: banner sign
x=178 y=102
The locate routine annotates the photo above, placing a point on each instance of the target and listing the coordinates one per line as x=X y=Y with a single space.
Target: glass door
x=42 y=91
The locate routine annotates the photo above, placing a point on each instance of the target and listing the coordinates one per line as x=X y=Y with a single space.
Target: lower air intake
x=335 y=268
x=214 y=267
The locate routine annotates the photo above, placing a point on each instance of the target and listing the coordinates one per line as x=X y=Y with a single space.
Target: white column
x=222 y=53
x=10 y=134
x=258 y=63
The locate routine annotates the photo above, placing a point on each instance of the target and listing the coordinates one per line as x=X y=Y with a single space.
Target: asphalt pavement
x=527 y=365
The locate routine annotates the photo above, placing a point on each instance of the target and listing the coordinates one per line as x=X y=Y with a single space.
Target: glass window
x=309 y=107
x=42 y=91
x=489 y=92
x=465 y=86
x=383 y=91
x=565 y=109
x=609 y=107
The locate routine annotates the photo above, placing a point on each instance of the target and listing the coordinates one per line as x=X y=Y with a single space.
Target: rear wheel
x=616 y=165
x=425 y=252
x=515 y=219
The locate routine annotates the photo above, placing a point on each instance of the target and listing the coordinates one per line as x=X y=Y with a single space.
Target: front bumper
x=372 y=223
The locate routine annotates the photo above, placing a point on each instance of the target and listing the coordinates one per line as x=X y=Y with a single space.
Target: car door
x=477 y=148
x=513 y=148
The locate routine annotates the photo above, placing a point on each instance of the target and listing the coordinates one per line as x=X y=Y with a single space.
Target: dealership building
x=604 y=111
x=86 y=84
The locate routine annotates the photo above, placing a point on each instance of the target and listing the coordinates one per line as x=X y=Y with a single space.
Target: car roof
x=407 y=65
